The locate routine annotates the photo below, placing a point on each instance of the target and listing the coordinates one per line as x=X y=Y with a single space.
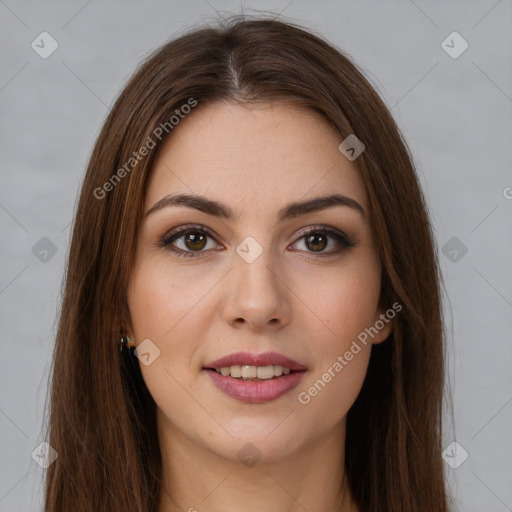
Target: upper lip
x=248 y=359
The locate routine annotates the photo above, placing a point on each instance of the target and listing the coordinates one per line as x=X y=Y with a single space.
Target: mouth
x=254 y=373
x=253 y=378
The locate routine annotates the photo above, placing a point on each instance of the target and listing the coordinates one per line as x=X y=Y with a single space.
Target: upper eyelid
x=184 y=229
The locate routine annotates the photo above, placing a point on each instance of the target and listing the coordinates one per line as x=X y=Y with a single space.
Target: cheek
x=162 y=302
x=344 y=305
x=173 y=309
x=158 y=310
x=165 y=310
x=341 y=359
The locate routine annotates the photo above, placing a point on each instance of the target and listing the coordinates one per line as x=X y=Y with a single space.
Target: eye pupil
x=195 y=238
x=312 y=240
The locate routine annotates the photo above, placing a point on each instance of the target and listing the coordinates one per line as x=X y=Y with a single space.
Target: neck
x=195 y=479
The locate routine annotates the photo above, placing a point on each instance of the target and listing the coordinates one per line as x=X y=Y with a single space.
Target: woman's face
x=247 y=277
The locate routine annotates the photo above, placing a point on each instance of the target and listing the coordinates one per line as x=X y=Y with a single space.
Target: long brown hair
x=101 y=416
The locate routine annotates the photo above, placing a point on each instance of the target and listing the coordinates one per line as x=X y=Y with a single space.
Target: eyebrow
x=291 y=210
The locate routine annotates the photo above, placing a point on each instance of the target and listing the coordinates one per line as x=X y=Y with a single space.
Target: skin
x=291 y=299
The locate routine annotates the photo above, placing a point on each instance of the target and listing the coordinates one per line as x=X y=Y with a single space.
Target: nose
x=256 y=295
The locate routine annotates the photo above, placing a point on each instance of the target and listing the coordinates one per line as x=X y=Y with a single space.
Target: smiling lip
x=248 y=359
x=255 y=392
x=252 y=392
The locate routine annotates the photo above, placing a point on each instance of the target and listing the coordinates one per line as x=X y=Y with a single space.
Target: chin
x=249 y=451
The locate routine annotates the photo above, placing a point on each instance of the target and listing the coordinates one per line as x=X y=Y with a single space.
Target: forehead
x=253 y=156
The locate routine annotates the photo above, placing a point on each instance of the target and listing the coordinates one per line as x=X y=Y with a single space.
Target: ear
x=384 y=323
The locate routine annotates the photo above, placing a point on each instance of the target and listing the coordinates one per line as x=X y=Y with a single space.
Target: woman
x=251 y=317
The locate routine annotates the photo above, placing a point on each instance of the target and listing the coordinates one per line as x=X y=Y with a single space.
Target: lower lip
x=254 y=392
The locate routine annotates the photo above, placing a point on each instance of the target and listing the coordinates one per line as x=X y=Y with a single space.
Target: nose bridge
x=257 y=294
x=258 y=273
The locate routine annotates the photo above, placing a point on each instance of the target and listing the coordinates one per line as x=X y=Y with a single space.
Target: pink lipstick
x=255 y=378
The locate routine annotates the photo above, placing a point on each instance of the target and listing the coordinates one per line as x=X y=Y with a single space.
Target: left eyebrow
x=291 y=210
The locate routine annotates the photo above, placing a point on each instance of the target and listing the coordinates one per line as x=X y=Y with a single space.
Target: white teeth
x=265 y=372
x=247 y=372
x=234 y=371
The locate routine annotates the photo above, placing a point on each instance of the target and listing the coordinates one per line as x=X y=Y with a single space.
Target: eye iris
x=198 y=241
x=312 y=240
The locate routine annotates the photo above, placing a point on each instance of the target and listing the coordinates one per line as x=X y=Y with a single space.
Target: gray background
x=454 y=113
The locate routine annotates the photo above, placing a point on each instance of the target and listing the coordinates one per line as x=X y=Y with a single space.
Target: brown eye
x=195 y=241
x=316 y=242
x=317 y=239
x=189 y=241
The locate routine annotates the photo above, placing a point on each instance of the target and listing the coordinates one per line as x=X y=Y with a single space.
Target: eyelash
x=339 y=237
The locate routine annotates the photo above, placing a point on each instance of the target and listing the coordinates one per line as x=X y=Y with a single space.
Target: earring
x=126 y=343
